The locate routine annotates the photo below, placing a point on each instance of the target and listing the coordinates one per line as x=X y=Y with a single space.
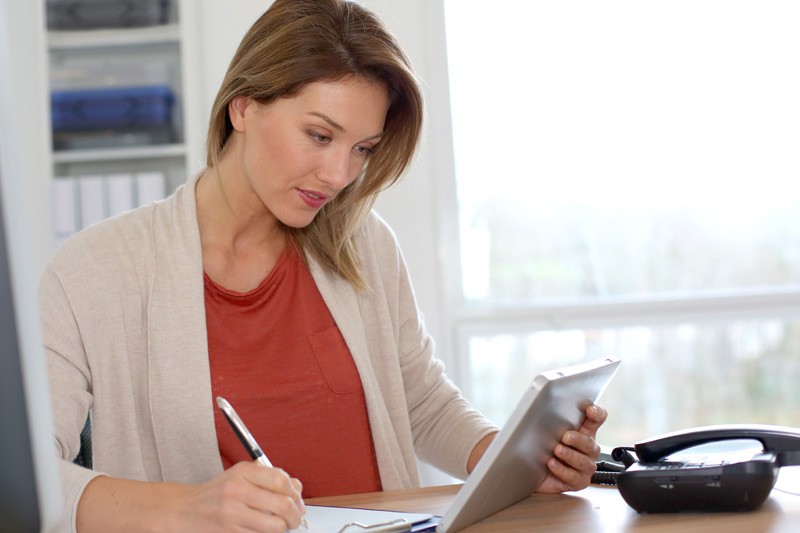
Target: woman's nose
x=336 y=170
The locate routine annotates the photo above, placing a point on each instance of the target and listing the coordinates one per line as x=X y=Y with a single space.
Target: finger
x=566 y=477
x=284 y=484
x=595 y=417
x=573 y=469
x=279 y=506
x=272 y=479
x=278 y=494
x=584 y=463
x=298 y=486
x=585 y=444
x=597 y=413
x=265 y=503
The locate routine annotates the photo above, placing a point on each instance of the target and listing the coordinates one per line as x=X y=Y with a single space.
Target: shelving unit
x=96 y=59
x=64 y=39
x=64 y=157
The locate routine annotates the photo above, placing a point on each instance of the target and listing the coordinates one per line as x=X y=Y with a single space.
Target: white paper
x=322 y=519
x=310 y=527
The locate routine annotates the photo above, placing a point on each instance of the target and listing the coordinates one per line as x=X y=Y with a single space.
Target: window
x=628 y=182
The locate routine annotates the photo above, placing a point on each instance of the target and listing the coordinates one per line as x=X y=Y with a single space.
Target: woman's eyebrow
x=335 y=125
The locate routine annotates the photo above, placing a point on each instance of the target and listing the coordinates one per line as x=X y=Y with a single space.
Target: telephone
x=711 y=468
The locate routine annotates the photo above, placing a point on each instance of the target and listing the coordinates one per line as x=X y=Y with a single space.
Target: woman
x=265 y=279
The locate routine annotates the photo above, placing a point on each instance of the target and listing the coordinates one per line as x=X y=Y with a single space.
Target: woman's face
x=297 y=153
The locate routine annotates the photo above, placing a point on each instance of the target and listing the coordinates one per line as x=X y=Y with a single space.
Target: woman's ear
x=236 y=111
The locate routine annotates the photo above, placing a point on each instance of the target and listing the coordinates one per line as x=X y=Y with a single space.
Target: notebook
x=322 y=519
x=515 y=463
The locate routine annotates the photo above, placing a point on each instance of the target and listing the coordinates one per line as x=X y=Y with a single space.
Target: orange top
x=278 y=357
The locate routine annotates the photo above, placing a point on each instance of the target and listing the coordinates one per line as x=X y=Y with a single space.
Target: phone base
x=669 y=487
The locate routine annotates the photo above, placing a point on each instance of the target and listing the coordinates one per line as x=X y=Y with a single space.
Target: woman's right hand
x=246 y=497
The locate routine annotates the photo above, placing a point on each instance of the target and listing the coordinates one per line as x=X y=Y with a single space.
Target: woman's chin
x=298 y=222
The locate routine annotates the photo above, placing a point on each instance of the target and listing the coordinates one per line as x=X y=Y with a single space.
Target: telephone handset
x=710 y=468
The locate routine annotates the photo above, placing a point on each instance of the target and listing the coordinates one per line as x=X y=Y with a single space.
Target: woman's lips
x=313 y=198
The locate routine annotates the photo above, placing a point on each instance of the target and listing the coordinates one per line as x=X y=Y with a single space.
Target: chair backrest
x=84 y=457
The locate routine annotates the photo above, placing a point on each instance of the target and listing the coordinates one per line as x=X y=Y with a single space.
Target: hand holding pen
x=247 y=439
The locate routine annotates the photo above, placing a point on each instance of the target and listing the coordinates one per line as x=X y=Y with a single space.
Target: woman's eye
x=364 y=150
x=320 y=138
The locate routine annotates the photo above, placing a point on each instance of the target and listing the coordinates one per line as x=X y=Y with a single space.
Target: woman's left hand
x=574 y=460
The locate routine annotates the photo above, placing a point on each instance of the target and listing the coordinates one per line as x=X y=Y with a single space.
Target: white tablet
x=516 y=462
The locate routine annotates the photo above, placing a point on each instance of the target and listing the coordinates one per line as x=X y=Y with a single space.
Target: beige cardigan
x=124 y=332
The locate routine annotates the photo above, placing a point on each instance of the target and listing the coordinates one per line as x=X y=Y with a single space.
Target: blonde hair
x=297 y=42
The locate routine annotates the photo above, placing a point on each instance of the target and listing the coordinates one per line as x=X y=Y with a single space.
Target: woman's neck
x=240 y=242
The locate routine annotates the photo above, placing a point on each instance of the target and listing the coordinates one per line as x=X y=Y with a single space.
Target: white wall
x=214 y=29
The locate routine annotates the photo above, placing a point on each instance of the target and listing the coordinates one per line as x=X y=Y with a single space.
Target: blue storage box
x=113 y=108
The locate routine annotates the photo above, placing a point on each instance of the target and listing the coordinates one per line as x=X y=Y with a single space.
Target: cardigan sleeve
x=445 y=427
x=70 y=385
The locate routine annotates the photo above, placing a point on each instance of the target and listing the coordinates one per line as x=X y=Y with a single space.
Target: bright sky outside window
x=625 y=148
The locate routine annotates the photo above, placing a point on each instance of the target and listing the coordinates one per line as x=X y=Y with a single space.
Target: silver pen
x=245 y=437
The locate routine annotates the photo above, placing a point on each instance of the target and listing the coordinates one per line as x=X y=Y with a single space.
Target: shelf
x=117 y=154
x=66 y=40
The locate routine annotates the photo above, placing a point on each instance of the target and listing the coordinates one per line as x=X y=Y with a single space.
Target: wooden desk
x=597 y=508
